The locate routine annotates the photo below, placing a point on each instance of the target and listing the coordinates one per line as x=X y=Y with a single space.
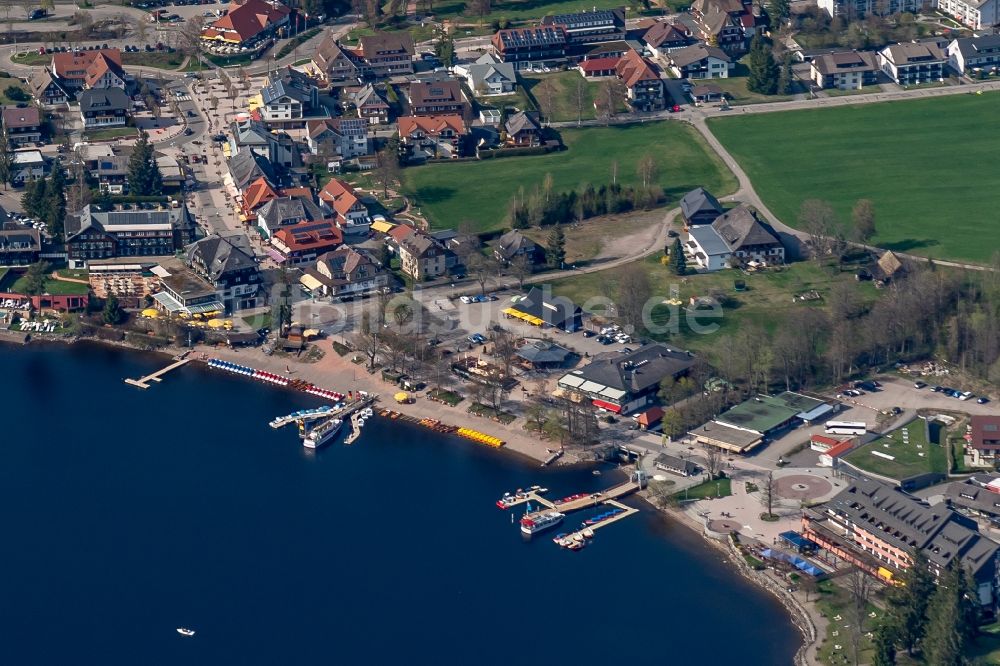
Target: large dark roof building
x=540 y=308
x=877 y=527
x=622 y=383
x=700 y=207
x=97 y=234
x=600 y=25
x=229 y=265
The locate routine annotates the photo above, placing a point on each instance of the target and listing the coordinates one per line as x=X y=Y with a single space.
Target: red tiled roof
x=80 y=61
x=633 y=68
x=247 y=19
x=15 y=118
x=401 y=232
x=258 y=193
x=101 y=65
x=340 y=196
x=599 y=64
x=431 y=125
x=321 y=235
x=650 y=416
x=840 y=449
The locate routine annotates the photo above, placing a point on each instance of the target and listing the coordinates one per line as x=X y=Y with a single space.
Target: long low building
x=727 y=437
x=540 y=308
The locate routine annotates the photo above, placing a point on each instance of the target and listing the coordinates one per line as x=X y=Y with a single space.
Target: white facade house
x=968 y=54
x=736 y=235
x=488 y=76
x=976 y=15
x=913 y=63
x=858 y=9
x=708 y=249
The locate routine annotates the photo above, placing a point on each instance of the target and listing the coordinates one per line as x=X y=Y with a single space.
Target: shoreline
x=804 y=621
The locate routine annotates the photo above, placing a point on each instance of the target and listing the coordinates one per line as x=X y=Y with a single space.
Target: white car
x=966 y=395
x=465 y=299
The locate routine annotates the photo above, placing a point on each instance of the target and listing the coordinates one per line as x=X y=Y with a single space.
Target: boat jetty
x=144 y=382
x=357 y=408
x=576 y=540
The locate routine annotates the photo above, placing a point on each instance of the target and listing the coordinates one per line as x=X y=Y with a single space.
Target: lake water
x=128 y=513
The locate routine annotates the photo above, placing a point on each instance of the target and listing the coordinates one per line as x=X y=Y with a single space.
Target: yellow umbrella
x=150 y=312
x=402 y=396
x=310 y=333
x=215 y=323
x=196 y=315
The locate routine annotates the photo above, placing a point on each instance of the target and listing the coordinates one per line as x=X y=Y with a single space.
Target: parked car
x=477 y=338
x=465 y=299
x=588 y=333
x=919 y=385
x=982 y=400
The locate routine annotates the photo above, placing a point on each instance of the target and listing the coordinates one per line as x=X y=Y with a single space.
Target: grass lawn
x=111 y=133
x=230 y=60
x=258 y=321
x=707 y=489
x=479 y=192
x=563 y=105
x=15 y=83
x=931 y=205
x=736 y=90
x=833 y=602
x=55 y=287
x=157 y=59
x=33 y=58
x=74 y=273
x=908 y=461
x=766 y=301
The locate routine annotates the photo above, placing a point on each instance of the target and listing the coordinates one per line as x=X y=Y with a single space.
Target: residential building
x=111 y=173
x=228 y=264
x=289 y=96
x=650 y=419
x=877 y=528
x=102 y=108
x=599 y=25
x=275 y=146
x=19 y=246
x=438 y=98
x=514 y=244
x=913 y=63
x=47 y=89
x=644 y=88
x=351 y=214
x=489 y=76
x=284 y=211
x=386 y=54
x=540 y=308
x=832 y=456
x=983 y=439
x=699 y=206
x=256 y=194
x=859 y=9
x=974 y=14
x=663 y=37
x=700 y=62
x=623 y=383
x=730 y=24
x=526 y=47
x=737 y=235
x=106 y=72
x=28 y=164
x=338 y=139
x=247 y=21
x=246 y=166
x=335 y=63
x=127 y=232
x=432 y=137
x=596 y=68
x=967 y=54
x=75 y=69
x=705 y=93
x=421 y=257
x=346 y=272
x=302 y=243
x=845 y=70
x=523 y=130
x=371 y=105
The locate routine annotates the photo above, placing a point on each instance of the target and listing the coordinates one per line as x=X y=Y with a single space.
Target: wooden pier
x=144 y=382
x=603 y=497
x=626 y=512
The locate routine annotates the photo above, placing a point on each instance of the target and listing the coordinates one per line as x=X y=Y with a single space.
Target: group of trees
x=768 y=75
x=544 y=207
x=829 y=236
x=144 y=177
x=937 y=620
x=815 y=27
x=45 y=199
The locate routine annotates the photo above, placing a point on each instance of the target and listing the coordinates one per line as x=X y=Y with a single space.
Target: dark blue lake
x=128 y=513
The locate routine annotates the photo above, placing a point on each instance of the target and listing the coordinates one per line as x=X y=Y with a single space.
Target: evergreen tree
x=33 y=198
x=884 y=645
x=557 y=247
x=54 y=204
x=678 y=263
x=786 y=80
x=112 y=311
x=946 y=636
x=907 y=602
x=763 y=76
x=144 y=177
x=779 y=9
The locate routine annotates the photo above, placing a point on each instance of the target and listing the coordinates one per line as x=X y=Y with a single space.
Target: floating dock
x=144 y=382
x=576 y=502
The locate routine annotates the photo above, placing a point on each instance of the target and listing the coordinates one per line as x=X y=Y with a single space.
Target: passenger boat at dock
x=322 y=433
x=541 y=522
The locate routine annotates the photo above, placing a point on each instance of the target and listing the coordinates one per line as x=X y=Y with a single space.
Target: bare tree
x=368 y=339
x=819 y=221
x=767 y=494
x=863 y=216
x=580 y=87
x=633 y=292
x=647 y=169
x=860 y=587
x=505 y=348
x=713 y=460
x=545 y=92
x=521 y=267
x=479 y=269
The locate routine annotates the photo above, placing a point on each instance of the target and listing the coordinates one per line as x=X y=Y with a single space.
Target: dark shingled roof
x=698 y=201
x=639 y=370
x=740 y=227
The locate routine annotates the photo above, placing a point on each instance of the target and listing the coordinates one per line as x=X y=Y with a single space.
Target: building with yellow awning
x=540 y=308
x=382 y=226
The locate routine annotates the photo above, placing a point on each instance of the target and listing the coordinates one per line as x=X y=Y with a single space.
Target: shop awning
x=610 y=406
x=382 y=227
x=309 y=282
